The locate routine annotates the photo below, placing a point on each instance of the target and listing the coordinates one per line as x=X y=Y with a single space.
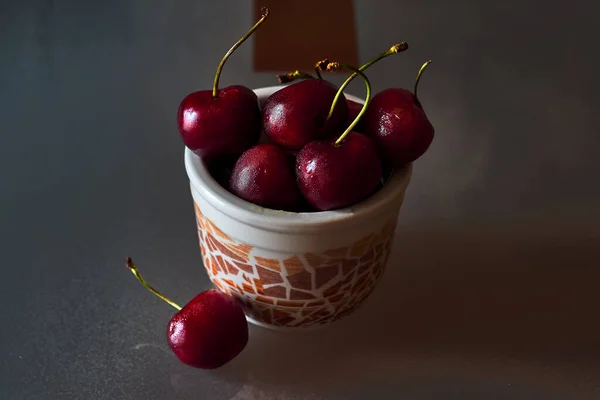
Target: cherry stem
x=397 y=48
x=132 y=267
x=335 y=66
x=321 y=66
x=423 y=68
x=292 y=76
x=265 y=13
x=318 y=72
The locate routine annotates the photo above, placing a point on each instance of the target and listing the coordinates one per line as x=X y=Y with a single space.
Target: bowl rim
x=285 y=221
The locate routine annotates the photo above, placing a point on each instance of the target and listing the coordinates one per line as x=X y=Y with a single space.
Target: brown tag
x=297 y=34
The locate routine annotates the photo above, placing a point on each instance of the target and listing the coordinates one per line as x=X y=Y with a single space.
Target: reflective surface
x=491 y=291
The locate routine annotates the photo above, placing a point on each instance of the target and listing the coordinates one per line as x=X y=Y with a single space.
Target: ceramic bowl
x=294 y=270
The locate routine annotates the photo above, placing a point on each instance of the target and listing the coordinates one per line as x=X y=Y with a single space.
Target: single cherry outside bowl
x=294 y=270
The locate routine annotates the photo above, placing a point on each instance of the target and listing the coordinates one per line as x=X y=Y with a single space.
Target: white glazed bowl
x=294 y=270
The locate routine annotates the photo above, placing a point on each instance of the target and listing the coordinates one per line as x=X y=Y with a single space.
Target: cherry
x=298 y=113
x=208 y=332
x=397 y=122
x=336 y=174
x=221 y=122
x=331 y=176
x=264 y=175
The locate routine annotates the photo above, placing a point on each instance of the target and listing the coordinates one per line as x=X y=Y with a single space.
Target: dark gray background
x=491 y=292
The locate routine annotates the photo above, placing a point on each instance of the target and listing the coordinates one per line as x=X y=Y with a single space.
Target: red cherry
x=334 y=176
x=220 y=127
x=209 y=331
x=396 y=120
x=222 y=122
x=264 y=175
x=297 y=114
x=401 y=129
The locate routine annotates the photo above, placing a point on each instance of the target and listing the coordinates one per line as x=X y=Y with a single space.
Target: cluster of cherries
x=322 y=152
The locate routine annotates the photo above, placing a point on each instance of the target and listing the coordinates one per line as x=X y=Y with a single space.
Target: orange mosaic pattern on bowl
x=302 y=290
